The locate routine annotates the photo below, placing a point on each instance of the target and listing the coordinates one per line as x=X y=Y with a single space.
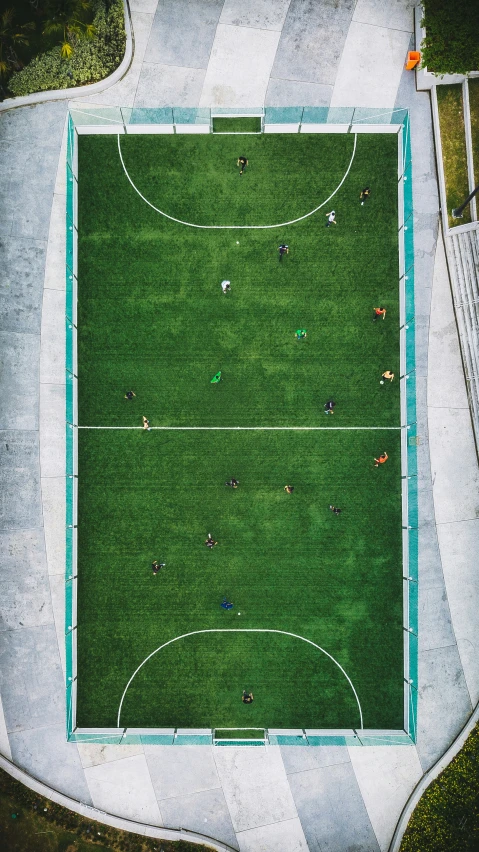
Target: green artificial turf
x=238 y=734
x=244 y=124
x=152 y=318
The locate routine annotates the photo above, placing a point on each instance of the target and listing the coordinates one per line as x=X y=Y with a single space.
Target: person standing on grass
x=226 y=286
x=146 y=424
x=335 y=510
x=157 y=566
x=210 y=541
x=386 y=376
x=329 y=406
x=283 y=249
x=247 y=697
x=364 y=195
x=226 y=604
x=289 y=489
x=301 y=333
x=233 y=483
x=242 y=163
x=216 y=378
x=331 y=219
x=129 y=395
x=381 y=460
x=379 y=312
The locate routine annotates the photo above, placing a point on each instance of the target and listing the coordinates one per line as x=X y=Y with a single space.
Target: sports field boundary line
x=73 y=416
x=241 y=630
x=239 y=227
x=252 y=428
x=116 y=121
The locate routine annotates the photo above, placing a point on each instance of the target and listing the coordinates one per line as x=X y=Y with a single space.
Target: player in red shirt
x=381 y=460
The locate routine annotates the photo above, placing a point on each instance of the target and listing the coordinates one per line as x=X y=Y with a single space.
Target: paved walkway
x=275 y=799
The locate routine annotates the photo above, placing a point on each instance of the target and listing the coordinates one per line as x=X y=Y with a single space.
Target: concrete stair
x=463 y=254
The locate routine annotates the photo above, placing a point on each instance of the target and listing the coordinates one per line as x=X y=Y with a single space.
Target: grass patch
x=153 y=318
x=447 y=816
x=244 y=124
x=28 y=821
x=474 y=109
x=453 y=141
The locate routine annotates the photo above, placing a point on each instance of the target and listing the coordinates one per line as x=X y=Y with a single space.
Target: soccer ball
x=381 y=382
x=237 y=242
x=239 y=613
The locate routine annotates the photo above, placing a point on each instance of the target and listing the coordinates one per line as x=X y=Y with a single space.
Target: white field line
x=387 y=112
x=239 y=630
x=239 y=227
x=254 y=428
x=405 y=147
x=101 y=117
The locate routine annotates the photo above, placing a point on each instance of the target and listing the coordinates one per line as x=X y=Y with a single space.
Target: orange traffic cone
x=413 y=59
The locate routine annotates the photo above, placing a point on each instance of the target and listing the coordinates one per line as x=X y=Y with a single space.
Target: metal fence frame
x=118 y=120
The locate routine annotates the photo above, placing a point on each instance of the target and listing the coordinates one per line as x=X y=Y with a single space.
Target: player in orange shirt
x=381 y=460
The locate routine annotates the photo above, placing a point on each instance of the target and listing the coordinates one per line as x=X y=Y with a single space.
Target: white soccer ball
x=381 y=382
x=237 y=242
x=239 y=613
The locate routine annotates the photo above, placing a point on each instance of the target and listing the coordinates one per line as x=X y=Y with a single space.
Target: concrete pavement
x=277 y=799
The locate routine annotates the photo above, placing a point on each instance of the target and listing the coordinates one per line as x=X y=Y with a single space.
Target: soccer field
x=316 y=628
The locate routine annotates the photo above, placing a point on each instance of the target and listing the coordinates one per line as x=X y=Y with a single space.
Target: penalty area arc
x=239 y=227
x=242 y=630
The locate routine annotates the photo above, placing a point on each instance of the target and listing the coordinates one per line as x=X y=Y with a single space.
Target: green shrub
x=446 y=819
x=55 y=827
x=451 y=45
x=92 y=59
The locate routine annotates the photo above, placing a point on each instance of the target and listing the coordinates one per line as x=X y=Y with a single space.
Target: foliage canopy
x=451 y=45
x=92 y=58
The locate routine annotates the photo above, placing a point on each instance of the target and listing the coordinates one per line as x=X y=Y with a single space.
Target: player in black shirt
x=364 y=194
x=242 y=163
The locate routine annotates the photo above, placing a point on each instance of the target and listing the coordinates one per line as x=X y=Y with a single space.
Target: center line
x=251 y=428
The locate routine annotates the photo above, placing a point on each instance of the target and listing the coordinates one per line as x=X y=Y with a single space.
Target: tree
x=68 y=19
x=11 y=36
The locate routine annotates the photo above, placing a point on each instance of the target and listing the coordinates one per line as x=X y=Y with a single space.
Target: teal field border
x=118 y=120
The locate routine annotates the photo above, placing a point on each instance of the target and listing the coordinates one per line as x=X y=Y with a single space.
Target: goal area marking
x=242 y=630
x=239 y=227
